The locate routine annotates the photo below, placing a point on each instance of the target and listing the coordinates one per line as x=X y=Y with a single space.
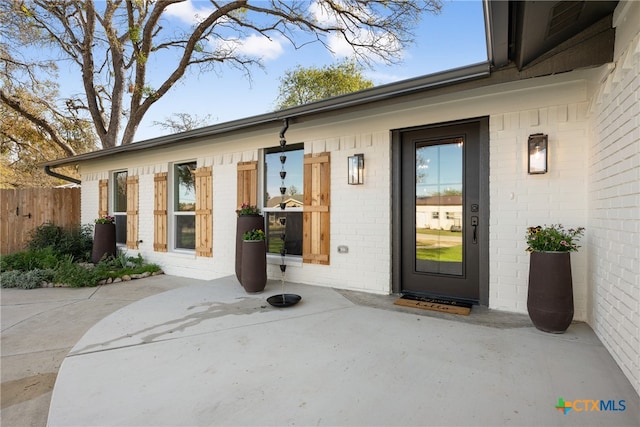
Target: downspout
x=284 y=128
x=48 y=171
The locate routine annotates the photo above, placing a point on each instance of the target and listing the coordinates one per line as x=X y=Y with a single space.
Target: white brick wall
x=519 y=200
x=614 y=206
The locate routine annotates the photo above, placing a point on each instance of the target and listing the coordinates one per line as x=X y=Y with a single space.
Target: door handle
x=474 y=224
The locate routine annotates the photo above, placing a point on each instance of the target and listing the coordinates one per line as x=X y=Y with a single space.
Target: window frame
x=114 y=204
x=174 y=213
x=275 y=256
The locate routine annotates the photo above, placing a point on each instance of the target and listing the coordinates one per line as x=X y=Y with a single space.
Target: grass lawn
x=432 y=232
x=449 y=254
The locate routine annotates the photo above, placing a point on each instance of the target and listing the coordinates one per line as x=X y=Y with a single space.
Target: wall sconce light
x=538 y=153
x=356 y=169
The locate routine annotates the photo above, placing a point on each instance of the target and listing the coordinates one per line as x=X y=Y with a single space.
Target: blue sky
x=454 y=38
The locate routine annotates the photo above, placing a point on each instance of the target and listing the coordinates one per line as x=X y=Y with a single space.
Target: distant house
x=566 y=70
x=439 y=212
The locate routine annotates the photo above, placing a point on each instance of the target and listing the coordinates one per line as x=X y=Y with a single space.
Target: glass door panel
x=439 y=242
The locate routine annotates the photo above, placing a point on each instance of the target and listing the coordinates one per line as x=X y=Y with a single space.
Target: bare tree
x=182 y=122
x=112 y=44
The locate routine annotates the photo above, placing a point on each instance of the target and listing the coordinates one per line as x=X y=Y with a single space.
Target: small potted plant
x=104 y=238
x=254 y=261
x=249 y=218
x=550 y=292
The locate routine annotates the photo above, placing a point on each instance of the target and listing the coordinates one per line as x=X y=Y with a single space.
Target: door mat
x=447 y=306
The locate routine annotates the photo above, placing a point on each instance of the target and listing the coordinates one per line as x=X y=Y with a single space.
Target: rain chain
x=283 y=204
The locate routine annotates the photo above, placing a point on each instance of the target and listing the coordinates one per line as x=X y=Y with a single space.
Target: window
x=288 y=221
x=184 y=205
x=120 y=205
x=435 y=215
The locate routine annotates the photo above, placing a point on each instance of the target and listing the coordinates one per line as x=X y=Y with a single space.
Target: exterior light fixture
x=356 y=169
x=538 y=153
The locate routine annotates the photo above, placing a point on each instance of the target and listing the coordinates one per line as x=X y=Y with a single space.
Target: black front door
x=442 y=225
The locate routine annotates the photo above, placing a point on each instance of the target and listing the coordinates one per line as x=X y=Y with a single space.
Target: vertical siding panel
x=160 y=212
x=103 y=197
x=204 y=204
x=316 y=210
x=247 y=183
x=132 y=212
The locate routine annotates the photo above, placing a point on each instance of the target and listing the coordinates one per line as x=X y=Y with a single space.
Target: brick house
x=577 y=84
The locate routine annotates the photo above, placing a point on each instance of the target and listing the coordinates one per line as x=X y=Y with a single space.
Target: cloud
x=255 y=45
x=267 y=49
x=188 y=12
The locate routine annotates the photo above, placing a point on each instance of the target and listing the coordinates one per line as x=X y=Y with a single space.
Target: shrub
x=25 y=279
x=123 y=264
x=75 y=240
x=46 y=258
x=74 y=274
x=78 y=242
x=43 y=236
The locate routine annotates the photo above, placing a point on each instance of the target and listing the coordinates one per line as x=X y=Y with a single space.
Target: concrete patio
x=209 y=354
x=179 y=351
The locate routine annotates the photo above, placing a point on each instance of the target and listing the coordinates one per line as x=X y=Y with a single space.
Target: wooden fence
x=24 y=209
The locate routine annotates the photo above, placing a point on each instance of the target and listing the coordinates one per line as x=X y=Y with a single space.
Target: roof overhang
x=522 y=32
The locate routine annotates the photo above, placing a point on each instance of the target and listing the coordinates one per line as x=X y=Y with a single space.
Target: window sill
x=185 y=252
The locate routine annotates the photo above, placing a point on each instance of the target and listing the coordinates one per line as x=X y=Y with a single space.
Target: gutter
x=48 y=171
x=378 y=93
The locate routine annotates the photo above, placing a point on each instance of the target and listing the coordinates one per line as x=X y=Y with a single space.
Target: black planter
x=245 y=223
x=104 y=242
x=254 y=265
x=550 y=294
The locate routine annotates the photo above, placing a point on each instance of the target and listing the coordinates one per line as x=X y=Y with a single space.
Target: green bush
x=30 y=268
x=74 y=274
x=47 y=258
x=43 y=236
x=123 y=264
x=25 y=279
x=75 y=240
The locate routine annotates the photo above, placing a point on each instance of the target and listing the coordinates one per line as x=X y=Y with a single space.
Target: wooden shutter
x=248 y=183
x=316 y=210
x=160 y=212
x=103 y=197
x=132 y=212
x=204 y=204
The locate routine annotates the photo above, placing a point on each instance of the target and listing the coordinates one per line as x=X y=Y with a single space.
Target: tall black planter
x=254 y=265
x=104 y=242
x=550 y=294
x=245 y=223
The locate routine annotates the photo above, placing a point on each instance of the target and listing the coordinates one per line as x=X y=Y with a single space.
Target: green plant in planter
x=105 y=219
x=255 y=234
x=247 y=209
x=553 y=238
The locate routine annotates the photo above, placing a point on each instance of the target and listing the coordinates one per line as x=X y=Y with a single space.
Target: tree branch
x=14 y=104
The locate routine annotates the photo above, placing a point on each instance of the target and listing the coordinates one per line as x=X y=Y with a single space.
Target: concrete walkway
x=209 y=354
x=39 y=328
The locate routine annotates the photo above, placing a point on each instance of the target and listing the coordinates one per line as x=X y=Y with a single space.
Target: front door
x=441 y=217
